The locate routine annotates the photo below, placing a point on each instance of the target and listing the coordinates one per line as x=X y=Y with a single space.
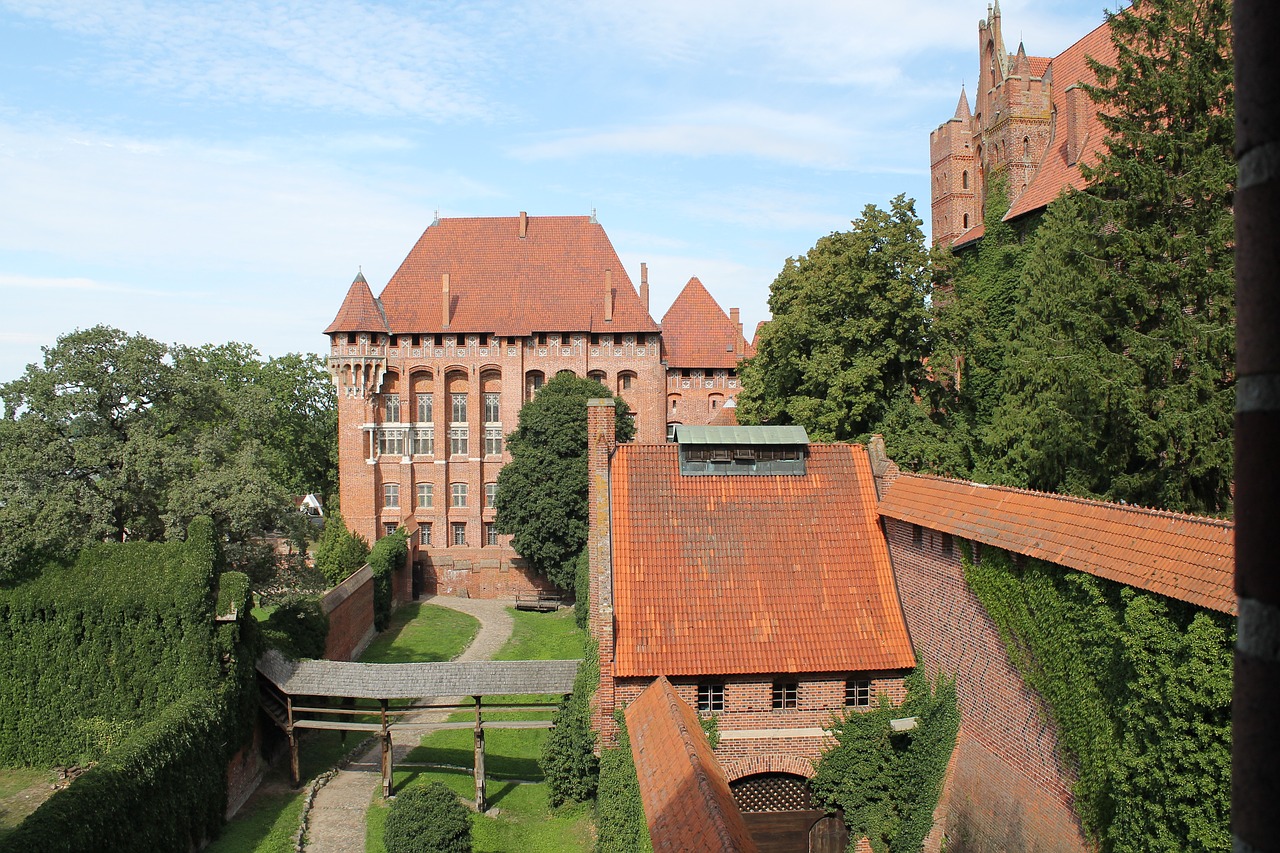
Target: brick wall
x=600 y=446
x=696 y=398
x=1009 y=792
x=479 y=573
x=245 y=771
x=349 y=606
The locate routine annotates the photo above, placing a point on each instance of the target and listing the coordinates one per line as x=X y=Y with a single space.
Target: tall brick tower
x=954 y=168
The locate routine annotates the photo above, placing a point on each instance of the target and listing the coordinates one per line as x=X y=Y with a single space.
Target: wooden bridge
x=324 y=694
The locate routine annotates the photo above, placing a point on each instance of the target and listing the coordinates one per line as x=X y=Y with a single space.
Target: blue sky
x=214 y=171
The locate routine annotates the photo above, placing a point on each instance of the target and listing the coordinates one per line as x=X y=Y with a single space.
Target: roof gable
x=359 y=312
x=766 y=574
x=697 y=333
x=1187 y=557
x=551 y=279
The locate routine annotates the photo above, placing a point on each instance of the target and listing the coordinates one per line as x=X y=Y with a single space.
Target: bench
x=541 y=601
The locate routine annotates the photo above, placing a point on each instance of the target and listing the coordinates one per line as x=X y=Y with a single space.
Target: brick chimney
x=1076 y=101
x=736 y=319
x=601 y=421
x=644 y=286
x=524 y=225
x=608 y=296
x=444 y=290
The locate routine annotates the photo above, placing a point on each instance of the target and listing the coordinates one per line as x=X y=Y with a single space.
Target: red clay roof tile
x=697 y=333
x=1187 y=557
x=359 y=311
x=751 y=574
x=552 y=279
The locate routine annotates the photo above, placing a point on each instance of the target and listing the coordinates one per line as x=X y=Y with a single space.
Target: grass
x=422 y=632
x=22 y=790
x=542 y=636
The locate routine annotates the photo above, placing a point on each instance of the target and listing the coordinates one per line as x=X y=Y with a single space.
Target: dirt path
x=336 y=822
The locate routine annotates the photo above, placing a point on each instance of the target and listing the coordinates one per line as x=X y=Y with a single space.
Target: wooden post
x=386 y=752
x=481 y=805
x=295 y=774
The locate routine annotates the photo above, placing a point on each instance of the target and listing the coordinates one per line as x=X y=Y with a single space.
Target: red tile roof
x=359 y=311
x=969 y=236
x=1065 y=70
x=727 y=415
x=1187 y=557
x=697 y=333
x=553 y=279
x=687 y=801
x=727 y=575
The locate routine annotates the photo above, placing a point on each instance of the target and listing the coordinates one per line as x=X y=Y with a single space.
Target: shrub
x=619 y=810
x=339 y=552
x=568 y=759
x=581 y=589
x=388 y=554
x=428 y=819
x=298 y=627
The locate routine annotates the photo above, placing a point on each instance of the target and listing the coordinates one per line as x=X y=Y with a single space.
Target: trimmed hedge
x=388 y=554
x=428 y=819
x=620 y=822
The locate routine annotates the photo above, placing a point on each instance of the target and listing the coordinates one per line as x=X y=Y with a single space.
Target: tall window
x=391 y=407
x=458 y=495
x=391 y=442
x=459 y=432
x=426 y=495
x=492 y=424
x=710 y=698
x=490 y=495
x=426 y=408
x=490 y=533
x=391 y=494
x=857 y=693
x=459 y=533
x=459 y=402
x=785 y=695
x=423 y=441
x=491 y=401
x=424 y=533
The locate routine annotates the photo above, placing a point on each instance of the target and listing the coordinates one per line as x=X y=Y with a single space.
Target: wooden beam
x=481 y=805
x=386 y=753
x=295 y=774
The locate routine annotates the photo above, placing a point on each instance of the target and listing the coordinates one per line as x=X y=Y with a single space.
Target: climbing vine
x=1139 y=687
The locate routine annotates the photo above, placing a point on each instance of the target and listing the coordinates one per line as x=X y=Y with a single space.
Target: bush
x=298 y=627
x=388 y=554
x=568 y=759
x=428 y=819
x=339 y=552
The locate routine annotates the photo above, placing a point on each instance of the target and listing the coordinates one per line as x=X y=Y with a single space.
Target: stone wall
x=349 y=606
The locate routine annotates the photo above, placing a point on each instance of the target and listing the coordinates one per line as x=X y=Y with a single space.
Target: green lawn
x=422 y=632
x=542 y=636
x=22 y=790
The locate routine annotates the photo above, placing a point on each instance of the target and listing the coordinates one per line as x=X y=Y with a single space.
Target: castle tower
x=955 y=173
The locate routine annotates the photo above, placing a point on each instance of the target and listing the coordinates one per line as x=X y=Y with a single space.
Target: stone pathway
x=336 y=822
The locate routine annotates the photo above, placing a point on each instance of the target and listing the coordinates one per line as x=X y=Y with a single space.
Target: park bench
x=541 y=601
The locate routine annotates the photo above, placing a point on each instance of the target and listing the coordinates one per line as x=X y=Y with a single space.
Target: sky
x=204 y=172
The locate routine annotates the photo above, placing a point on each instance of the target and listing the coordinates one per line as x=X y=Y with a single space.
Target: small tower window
x=966 y=221
x=964 y=179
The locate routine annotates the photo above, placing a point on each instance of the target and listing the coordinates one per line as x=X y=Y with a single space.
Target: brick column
x=601 y=417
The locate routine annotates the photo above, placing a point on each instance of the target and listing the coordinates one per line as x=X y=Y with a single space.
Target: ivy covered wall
x=1139 y=687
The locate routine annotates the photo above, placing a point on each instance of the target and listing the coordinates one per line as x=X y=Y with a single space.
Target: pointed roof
x=727 y=415
x=962 y=107
x=550 y=279
x=697 y=333
x=1021 y=65
x=360 y=312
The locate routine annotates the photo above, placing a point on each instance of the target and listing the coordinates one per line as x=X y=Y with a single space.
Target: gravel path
x=336 y=822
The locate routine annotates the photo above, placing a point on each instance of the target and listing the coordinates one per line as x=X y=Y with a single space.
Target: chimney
x=608 y=296
x=524 y=225
x=737 y=325
x=1075 y=106
x=601 y=424
x=445 y=306
x=644 y=286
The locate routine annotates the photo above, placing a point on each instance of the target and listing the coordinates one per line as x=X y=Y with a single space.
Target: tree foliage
x=339 y=552
x=118 y=437
x=848 y=328
x=542 y=492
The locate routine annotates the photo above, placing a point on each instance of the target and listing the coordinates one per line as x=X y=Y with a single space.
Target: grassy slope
x=422 y=632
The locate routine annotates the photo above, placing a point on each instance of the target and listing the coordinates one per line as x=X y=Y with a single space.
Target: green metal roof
x=745 y=435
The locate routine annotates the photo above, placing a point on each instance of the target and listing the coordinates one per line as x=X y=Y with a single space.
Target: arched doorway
x=779 y=813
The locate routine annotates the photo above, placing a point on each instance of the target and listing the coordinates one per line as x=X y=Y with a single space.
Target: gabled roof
x=686 y=797
x=721 y=575
x=727 y=416
x=697 y=333
x=1065 y=70
x=1187 y=557
x=552 y=279
x=359 y=311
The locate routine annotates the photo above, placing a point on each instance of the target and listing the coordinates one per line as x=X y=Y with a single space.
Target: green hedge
x=1139 y=687
x=388 y=554
x=568 y=758
x=620 y=823
x=428 y=819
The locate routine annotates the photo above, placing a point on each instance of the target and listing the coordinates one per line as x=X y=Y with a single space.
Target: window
x=389 y=527
x=595 y=340
x=459 y=533
x=424 y=534
x=351 y=337
x=966 y=220
x=491 y=401
x=395 y=340
x=710 y=698
x=459 y=402
x=947 y=545
x=426 y=408
x=490 y=533
x=458 y=440
x=426 y=495
x=391 y=442
x=458 y=493
x=492 y=425
x=490 y=495
x=533 y=382
x=416 y=340
x=964 y=180
x=391 y=409
x=484 y=339
x=857 y=693
x=671 y=431
x=675 y=401
x=785 y=694
x=917 y=536
x=391 y=495
x=438 y=340
x=624 y=381
x=423 y=441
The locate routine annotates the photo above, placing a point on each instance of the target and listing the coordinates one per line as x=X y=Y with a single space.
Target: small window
x=917 y=536
x=459 y=533
x=624 y=381
x=964 y=180
x=542 y=339
x=674 y=402
x=710 y=698
x=415 y=340
x=439 y=340
x=391 y=495
x=671 y=431
x=857 y=693
x=395 y=340
x=351 y=338
x=484 y=340
x=389 y=527
x=947 y=545
x=595 y=340
x=459 y=405
x=785 y=695
x=458 y=492
x=490 y=533
x=492 y=407
x=966 y=220
x=426 y=495
x=490 y=495
x=426 y=408
x=424 y=534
